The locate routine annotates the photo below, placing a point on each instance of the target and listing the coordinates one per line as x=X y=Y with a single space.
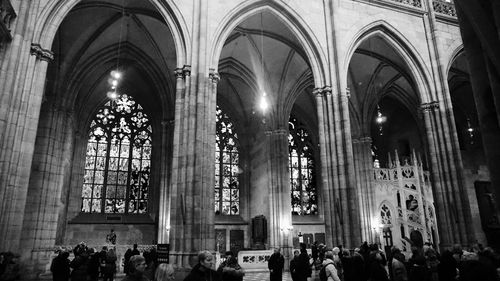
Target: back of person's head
x=229 y=253
x=346 y=253
x=457 y=249
x=395 y=250
x=135 y=246
x=65 y=255
x=329 y=255
x=165 y=272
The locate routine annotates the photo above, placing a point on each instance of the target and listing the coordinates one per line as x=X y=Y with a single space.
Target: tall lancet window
x=302 y=170
x=227 y=192
x=118 y=160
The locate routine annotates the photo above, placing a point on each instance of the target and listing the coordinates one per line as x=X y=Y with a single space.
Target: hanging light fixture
x=470 y=130
x=380 y=120
x=116 y=75
x=262 y=103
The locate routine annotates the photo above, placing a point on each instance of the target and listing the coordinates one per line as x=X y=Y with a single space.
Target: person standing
x=329 y=269
x=275 y=264
x=110 y=267
x=60 y=267
x=203 y=270
x=230 y=270
x=398 y=265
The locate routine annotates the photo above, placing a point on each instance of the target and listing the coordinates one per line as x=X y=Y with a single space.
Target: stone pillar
x=365 y=192
x=22 y=90
x=45 y=198
x=192 y=185
x=485 y=85
x=452 y=209
x=166 y=166
x=280 y=217
x=445 y=145
x=338 y=189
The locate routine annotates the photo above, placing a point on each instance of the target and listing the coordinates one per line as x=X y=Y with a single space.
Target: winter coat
x=200 y=273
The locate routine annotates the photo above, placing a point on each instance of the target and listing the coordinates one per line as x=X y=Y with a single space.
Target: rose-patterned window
x=227 y=192
x=302 y=170
x=118 y=159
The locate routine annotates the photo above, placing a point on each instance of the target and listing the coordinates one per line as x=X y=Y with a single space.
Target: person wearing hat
x=229 y=269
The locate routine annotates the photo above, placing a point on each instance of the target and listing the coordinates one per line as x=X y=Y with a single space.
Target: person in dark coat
x=60 y=267
x=137 y=266
x=417 y=266
x=377 y=270
x=314 y=251
x=230 y=270
x=93 y=267
x=110 y=267
x=203 y=270
x=135 y=251
x=79 y=265
x=275 y=264
x=447 y=267
x=127 y=256
x=299 y=268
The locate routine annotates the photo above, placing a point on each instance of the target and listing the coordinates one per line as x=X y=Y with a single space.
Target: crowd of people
x=369 y=263
x=90 y=265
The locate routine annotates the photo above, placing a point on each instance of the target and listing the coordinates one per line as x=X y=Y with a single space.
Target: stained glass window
x=227 y=192
x=302 y=170
x=118 y=159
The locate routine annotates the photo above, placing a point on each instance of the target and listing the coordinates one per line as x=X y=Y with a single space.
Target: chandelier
x=116 y=75
x=380 y=120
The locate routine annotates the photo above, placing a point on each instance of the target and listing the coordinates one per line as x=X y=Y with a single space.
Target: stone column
x=45 y=198
x=166 y=166
x=280 y=217
x=485 y=85
x=22 y=90
x=452 y=209
x=365 y=192
x=339 y=192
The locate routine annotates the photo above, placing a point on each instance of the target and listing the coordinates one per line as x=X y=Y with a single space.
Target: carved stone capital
x=318 y=92
x=327 y=90
x=186 y=70
x=214 y=76
x=429 y=106
x=41 y=53
x=179 y=73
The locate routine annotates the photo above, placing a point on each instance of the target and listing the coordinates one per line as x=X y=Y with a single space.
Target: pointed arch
x=391 y=212
x=54 y=13
x=289 y=17
x=401 y=46
x=456 y=51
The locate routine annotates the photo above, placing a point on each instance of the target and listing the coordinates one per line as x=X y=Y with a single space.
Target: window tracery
x=118 y=159
x=227 y=193
x=385 y=215
x=302 y=170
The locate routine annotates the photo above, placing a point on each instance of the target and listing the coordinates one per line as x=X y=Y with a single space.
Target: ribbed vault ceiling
x=376 y=70
x=99 y=36
x=263 y=53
